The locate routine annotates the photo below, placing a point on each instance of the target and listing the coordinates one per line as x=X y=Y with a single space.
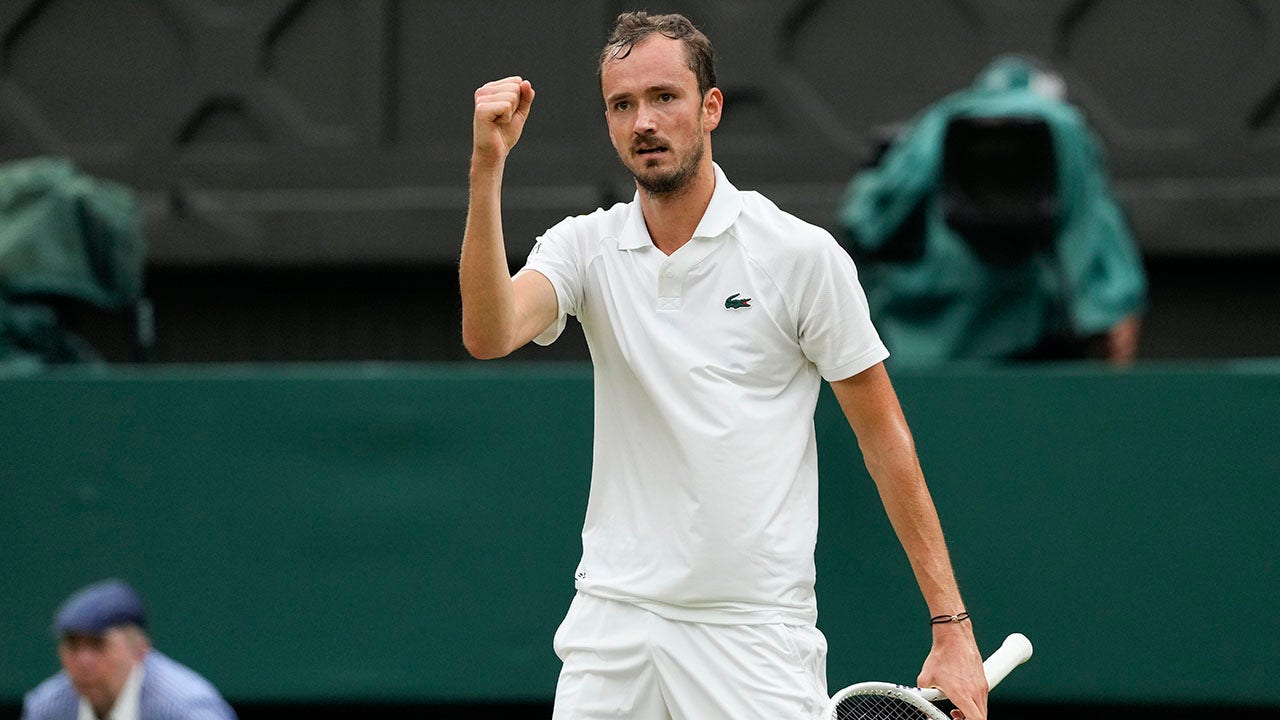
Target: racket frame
x=914 y=696
x=1015 y=650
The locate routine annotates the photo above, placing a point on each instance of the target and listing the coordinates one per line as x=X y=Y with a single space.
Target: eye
x=666 y=97
x=621 y=106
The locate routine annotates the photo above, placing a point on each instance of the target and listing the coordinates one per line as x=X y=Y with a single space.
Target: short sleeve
x=557 y=256
x=835 y=329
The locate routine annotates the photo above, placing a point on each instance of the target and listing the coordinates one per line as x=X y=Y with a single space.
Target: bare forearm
x=911 y=511
x=871 y=405
x=489 y=314
x=954 y=663
x=872 y=408
x=488 y=304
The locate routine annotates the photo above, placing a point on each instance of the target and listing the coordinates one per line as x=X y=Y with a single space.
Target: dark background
x=303 y=163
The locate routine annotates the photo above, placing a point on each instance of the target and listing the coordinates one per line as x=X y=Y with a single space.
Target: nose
x=645 y=123
x=80 y=658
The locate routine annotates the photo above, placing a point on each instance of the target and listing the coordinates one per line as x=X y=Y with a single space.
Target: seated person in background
x=989 y=231
x=110 y=671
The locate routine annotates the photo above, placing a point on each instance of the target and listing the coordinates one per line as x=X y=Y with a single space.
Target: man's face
x=99 y=666
x=658 y=122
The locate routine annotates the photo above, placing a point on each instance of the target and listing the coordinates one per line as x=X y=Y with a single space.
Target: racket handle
x=1015 y=650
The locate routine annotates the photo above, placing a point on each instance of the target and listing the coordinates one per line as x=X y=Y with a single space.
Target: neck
x=101 y=712
x=673 y=217
x=130 y=686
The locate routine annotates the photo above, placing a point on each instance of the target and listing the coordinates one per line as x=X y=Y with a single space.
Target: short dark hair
x=632 y=27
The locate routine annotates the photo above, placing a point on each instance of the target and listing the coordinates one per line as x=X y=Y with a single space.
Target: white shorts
x=621 y=661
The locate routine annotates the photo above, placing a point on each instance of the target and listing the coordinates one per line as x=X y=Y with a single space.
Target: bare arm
x=1122 y=340
x=871 y=406
x=499 y=314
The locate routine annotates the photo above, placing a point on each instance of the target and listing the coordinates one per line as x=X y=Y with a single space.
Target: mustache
x=648 y=144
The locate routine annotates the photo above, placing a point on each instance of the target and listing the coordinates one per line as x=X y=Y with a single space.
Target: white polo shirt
x=704 y=486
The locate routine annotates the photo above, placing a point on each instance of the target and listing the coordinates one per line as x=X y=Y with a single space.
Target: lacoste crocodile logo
x=733 y=302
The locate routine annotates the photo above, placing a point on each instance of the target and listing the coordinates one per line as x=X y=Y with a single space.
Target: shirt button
x=671 y=273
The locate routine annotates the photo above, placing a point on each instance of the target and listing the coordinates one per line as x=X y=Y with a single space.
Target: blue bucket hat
x=96 y=608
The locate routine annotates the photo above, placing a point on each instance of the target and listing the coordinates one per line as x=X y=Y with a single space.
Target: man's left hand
x=954 y=666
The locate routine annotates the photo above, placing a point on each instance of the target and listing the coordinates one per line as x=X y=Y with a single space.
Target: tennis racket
x=886 y=701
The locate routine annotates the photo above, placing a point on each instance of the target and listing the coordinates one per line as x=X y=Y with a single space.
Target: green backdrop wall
x=410 y=532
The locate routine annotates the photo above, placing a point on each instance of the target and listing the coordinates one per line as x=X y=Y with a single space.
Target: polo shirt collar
x=721 y=213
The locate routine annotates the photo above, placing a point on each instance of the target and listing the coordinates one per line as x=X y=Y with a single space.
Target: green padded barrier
x=410 y=532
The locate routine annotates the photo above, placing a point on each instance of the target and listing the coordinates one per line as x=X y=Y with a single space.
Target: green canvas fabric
x=63 y=236
x=950 y=304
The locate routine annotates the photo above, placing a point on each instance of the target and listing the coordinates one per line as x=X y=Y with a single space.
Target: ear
x=139 y=643
x=712 y=105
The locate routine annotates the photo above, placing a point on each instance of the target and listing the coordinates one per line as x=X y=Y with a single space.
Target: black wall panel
x=314 y=132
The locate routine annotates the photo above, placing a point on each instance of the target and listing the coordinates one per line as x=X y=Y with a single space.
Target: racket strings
x=878 y=707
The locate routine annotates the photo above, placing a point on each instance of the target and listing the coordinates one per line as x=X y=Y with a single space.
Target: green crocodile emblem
x=733 y=302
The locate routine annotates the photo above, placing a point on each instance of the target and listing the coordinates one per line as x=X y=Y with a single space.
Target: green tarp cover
x=950 y=304
x=63 y=236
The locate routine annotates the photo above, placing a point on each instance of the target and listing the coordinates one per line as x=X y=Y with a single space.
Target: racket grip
x=1015 y=650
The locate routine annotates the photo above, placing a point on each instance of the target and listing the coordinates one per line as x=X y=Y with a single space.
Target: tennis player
x=712 y=317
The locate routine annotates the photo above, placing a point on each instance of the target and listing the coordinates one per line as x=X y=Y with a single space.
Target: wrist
x=951 y=628
x=485 y=177
x=952 y=634
x=486 y=162
x=952 y=619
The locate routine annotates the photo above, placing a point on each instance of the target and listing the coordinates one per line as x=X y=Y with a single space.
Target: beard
x=670 y=182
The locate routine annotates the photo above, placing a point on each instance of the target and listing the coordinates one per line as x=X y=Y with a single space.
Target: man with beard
x=712 y=317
